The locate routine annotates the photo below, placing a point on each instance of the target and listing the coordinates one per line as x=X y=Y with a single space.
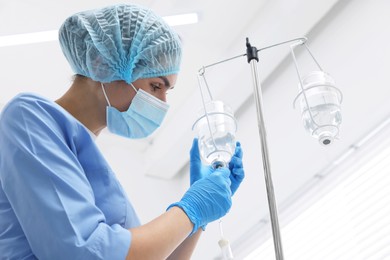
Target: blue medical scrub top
x=59 y=199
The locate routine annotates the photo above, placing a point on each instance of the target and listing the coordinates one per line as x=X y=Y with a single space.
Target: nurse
x=59 y=199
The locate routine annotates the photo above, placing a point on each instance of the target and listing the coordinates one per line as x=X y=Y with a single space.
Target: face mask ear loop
x=105 y=95
x=133 y=87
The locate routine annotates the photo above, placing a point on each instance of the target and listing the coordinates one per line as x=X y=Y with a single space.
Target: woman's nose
x=163 y=96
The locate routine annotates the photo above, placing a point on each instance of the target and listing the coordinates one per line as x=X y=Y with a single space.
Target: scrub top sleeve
x=49 y=192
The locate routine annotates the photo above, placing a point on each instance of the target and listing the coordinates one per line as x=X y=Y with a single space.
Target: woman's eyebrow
x=166 y=81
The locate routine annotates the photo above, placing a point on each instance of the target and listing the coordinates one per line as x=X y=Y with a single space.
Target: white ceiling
x=349 y=38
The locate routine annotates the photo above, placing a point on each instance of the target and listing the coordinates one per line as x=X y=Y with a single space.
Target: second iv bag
x=216 y=129
x=319 y=101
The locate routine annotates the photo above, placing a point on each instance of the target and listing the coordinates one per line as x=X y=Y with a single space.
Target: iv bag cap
x=325 y=140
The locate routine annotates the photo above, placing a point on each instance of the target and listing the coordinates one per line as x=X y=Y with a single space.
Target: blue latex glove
x=236 y=169
x=208 y=199
x=197 y=169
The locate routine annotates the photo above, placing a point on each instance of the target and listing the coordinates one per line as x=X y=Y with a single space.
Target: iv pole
x=252 y=57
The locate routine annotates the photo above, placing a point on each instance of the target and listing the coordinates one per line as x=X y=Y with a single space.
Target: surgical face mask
x=143 y=117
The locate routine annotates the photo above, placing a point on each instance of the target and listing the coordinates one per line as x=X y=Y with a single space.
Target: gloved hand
x=236 y=169
x=208 y=199
x=197 y=169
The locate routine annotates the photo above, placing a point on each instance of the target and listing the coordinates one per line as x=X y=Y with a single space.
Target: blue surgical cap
x=121 y=42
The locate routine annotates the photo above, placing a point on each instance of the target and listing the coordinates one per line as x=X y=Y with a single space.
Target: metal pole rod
x=301 y=40
x=266 y=163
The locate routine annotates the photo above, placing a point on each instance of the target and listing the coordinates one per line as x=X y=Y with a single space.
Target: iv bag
x=320 y=106
x=216 y=129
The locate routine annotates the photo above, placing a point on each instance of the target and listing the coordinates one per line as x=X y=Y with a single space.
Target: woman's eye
x=156 y=87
